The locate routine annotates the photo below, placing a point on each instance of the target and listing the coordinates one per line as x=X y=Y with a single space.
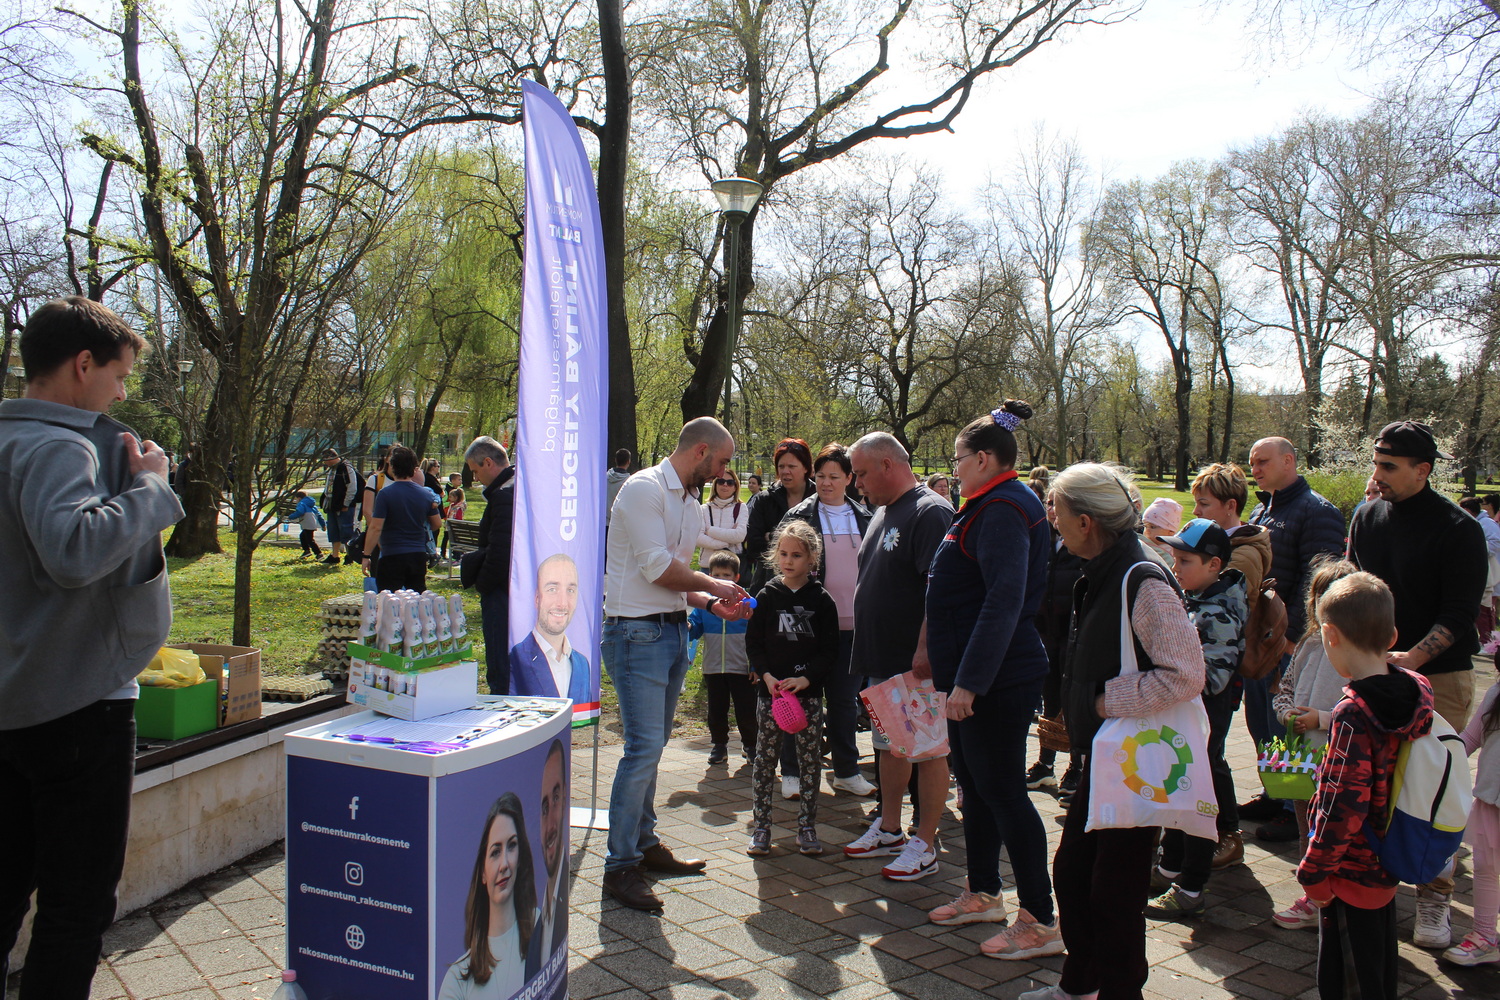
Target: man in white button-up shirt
x=649 y=584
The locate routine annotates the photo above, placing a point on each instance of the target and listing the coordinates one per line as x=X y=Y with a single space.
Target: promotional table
x=394 y=861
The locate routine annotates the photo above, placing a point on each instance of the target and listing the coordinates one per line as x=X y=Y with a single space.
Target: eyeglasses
x=726 y=482
x=959 y=458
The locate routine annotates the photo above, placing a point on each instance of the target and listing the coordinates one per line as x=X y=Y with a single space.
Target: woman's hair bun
x=1019 y=407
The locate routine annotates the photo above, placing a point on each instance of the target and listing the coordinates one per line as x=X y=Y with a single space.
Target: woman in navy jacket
x=987 y=582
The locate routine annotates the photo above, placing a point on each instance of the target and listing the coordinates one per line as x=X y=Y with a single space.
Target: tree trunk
x=1184 y=399
x=201 y=482
x=613 y=162
x=1228 y=404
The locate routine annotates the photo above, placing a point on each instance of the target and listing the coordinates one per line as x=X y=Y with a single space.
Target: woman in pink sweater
x=1101 y=877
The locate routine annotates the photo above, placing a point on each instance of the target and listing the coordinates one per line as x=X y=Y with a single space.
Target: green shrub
x=1344 y=488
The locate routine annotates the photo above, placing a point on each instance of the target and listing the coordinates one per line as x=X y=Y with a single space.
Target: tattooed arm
x=1433 y=643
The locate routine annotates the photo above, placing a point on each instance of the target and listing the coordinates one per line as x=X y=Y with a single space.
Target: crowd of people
x=1063 y=596
x=1062 y=601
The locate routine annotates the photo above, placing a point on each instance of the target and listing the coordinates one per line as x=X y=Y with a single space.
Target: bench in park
x=463 y=536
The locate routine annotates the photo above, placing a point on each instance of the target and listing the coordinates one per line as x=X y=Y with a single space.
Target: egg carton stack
x=340 y=624
x=293 y=688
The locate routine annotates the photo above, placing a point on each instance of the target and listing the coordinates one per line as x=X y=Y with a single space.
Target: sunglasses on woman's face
x=725 y=482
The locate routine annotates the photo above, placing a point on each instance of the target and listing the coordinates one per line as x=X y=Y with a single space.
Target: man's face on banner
x=556 y=595
x=554 y=805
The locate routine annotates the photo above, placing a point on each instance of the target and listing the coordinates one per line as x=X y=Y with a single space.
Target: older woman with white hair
x=1102 y=876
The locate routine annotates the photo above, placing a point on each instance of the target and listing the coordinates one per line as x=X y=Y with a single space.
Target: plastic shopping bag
x=172 y=668
x=910 y=714
x=1153 y=770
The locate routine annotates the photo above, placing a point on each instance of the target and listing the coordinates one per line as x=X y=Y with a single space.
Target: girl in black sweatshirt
x=792 y=642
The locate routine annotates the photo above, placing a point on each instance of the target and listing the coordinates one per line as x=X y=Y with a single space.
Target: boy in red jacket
x=1383 y=706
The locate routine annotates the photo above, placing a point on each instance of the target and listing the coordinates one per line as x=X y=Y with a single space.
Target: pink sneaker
x=1299 y=915
x=970 y=908
x=1026 y=938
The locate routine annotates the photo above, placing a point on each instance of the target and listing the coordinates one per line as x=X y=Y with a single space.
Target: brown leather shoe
x=629 y=887
x=1231 y=850
x=658 y=858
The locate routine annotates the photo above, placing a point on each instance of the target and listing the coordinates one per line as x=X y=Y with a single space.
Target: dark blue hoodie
x=987 y=581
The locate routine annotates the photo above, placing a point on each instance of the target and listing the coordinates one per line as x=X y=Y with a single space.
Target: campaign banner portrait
x=557 y=562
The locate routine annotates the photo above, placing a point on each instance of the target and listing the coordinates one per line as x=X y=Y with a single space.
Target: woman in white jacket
x=724 y=517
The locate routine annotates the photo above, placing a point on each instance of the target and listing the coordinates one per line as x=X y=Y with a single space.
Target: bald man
x=1304 y=526
x=649 y=585
x=545 y=664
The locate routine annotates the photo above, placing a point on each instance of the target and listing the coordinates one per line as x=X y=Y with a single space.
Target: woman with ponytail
x=988 y=579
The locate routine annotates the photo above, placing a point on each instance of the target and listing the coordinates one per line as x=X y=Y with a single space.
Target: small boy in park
x=1383 y=707
x=726 y=668
x=1218 y=608
x=792 y=642
x=308 y=517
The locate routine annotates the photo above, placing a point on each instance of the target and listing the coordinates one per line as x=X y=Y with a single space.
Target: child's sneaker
x=970 y=908
x=875 y=842
x=760 y=843
x=1160 y=880
x=917 y=860
x=1175 y=903
x=1297 y=916
x=1475 y=949
x=1434 y=925
x=1026 y=938
x=808 y=842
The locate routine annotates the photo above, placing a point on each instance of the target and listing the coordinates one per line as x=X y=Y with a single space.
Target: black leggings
x=1357 y=952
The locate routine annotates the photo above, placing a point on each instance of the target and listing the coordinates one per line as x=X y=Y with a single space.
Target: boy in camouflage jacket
x=1218 y=606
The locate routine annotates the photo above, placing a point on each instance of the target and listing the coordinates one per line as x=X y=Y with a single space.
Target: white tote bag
x=1152 y=770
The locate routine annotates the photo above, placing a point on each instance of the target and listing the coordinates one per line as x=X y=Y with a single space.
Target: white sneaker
x=1434 y=927
x=791 y=789
x=1053 y=993
x=917 y=860
x=858 y=784
x=875 y=842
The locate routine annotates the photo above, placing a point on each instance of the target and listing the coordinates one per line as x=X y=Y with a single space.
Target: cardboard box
x=410 y=689
x=237 y=671
x=163 y=713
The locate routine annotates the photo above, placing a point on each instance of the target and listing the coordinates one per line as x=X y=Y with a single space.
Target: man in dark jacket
x=1432 y=556
x=1303 y=527
x=340 y=492
x=487 y=568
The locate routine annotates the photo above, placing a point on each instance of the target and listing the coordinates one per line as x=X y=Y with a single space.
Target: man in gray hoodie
x=84 y=606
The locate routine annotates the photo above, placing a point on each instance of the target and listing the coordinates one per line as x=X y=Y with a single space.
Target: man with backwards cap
x=1432 y=556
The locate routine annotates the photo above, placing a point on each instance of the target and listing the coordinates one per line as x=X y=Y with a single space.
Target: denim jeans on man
x=1260 y=717
x=647 y=662
x=494 y=619
x=66 y=787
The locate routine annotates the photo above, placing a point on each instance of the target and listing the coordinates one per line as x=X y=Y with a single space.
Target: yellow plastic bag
x=172 y=668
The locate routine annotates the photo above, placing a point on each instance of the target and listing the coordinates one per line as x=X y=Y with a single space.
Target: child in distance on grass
x=726 y=668
x=308 y=518
x=792 y=642
x=1383 y=707
x=1218 y=607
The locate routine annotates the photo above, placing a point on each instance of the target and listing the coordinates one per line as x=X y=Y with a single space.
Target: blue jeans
x=341 y=525
x=647 y=662
x=988 y=754
x=68 y=785
x=840 y=709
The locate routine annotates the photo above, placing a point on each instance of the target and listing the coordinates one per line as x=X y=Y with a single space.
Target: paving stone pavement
x=786 y=927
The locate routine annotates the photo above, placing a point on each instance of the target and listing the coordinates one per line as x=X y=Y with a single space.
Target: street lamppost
x=737 y=197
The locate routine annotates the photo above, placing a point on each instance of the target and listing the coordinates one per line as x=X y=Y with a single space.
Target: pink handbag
x=788 y=713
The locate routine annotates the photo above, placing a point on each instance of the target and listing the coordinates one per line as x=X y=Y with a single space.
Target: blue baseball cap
x=1202 y=536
